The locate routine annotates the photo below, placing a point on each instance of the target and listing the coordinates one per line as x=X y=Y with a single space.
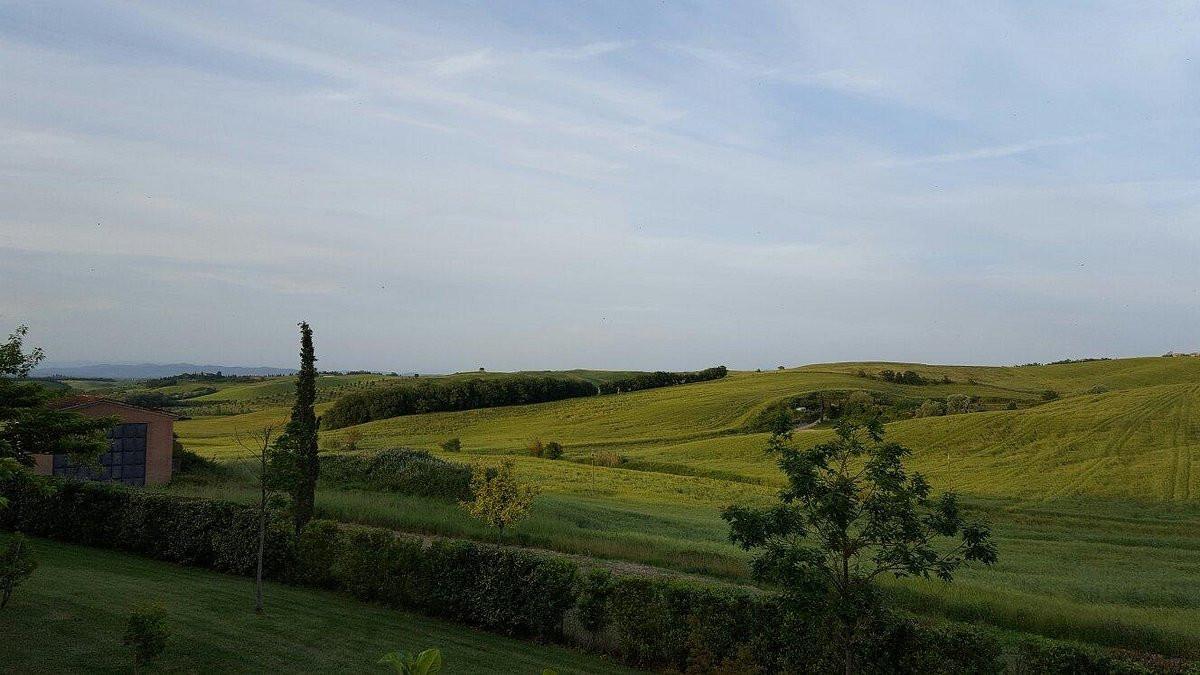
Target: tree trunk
x=262 y=533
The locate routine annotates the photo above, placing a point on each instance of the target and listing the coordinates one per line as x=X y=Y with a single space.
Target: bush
x=410 y=472
x=1098 y=389
x=535 y=447
x=930 y=408
x=498 y=499
x=608 y=458
x=1049 y=395
x=146 y=634
x=17 y=563
x=1037 y=655
x=553 y=450
x=452 y=445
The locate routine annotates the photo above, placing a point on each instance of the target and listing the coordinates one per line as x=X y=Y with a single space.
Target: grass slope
x=70 y=616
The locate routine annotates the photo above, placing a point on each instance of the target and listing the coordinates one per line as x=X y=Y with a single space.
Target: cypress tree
x=295 y=463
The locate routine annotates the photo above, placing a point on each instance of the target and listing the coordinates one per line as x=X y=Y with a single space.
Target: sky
x=440 y=186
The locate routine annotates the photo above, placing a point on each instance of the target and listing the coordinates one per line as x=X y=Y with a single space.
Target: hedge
x=645 y=622
x=411 y=472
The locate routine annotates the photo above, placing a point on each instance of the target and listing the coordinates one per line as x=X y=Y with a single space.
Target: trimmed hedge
x=649 y=623
x=410 y=472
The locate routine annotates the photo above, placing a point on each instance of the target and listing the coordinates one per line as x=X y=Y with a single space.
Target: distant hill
x=140 y=371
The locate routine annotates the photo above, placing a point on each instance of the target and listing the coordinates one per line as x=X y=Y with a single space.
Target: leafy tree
x=427 y=662
x=850 y=513
x=27 y=426
x=146 y=634
x=16 y=564
x=930 y=408
x=452 y=445
x=499 y=499
x=294 y=462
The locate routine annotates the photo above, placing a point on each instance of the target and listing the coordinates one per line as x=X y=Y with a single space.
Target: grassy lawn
x=70 y=616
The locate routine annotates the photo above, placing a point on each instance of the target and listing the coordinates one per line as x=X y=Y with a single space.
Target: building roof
x=79 y=401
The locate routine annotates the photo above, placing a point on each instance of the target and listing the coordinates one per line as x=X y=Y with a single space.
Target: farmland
x=1093 y=495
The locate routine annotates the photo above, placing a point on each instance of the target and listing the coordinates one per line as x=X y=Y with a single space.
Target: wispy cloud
x=992 y=152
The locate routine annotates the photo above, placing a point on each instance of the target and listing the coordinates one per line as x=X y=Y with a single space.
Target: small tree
x=146 y=634
x=17 y=563
x=260 y=443
x=850 y=513
x=535 y=447
x=452 y=445
x=351 y=438
x=553 y=450
x=427 y=662
x=499 y=499
x=930 y=408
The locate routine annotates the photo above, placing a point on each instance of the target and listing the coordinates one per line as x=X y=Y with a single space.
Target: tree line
x=444 y=395
x=661 y=379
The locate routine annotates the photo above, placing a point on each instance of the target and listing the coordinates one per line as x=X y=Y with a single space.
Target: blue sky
x=441 y=186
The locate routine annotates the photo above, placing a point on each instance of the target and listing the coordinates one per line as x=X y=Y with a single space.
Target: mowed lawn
x=70 y=617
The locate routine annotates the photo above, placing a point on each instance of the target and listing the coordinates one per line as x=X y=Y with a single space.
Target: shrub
x=553 y=450
x=608 y=458
x=535 y=447
x=17 y=563
x=930 y=408
x=957 y=404
x=1049 y=395
x=191 y=463
x=1098 y=389
x=146 y=634
x=411 y=472
x=452 y=445
x=498 y=499
x=427 y=662
x=1037 y=655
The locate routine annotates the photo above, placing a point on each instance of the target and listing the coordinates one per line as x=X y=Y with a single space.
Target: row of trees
x=661 y=378
x=442 y=395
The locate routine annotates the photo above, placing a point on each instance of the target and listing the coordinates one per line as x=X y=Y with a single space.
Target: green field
x=1094 y=496
x=71 y=614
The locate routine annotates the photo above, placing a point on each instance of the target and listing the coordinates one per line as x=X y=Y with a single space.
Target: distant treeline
x=442 y=395
x=182 y=378
x=417 y=396
x=661 y=379
x=1064 y=361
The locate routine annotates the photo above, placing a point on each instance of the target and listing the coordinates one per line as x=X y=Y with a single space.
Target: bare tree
x=259 y=442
